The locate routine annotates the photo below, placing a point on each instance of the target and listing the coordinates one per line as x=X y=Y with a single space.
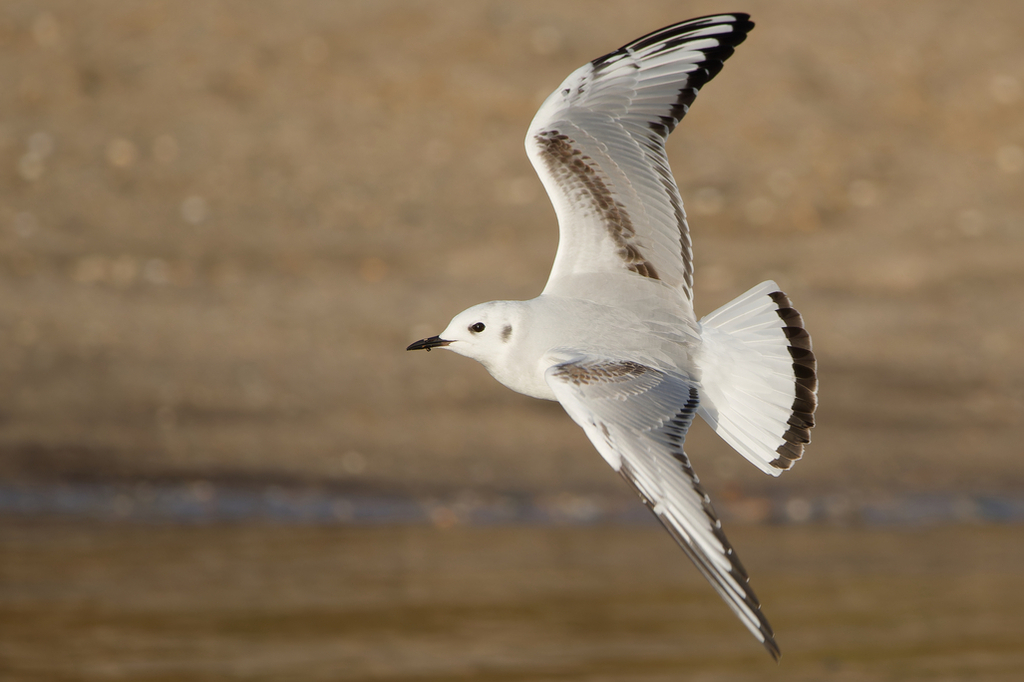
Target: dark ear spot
x=506 y=333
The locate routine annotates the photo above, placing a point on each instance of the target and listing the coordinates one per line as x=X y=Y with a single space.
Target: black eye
x=477 y=328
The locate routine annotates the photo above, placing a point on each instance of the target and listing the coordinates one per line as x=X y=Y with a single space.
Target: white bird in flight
x=613 y=337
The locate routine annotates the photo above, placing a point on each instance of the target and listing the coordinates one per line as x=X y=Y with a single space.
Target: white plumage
x=613 y=336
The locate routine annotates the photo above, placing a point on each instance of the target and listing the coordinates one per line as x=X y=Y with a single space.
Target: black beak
x=427 y=344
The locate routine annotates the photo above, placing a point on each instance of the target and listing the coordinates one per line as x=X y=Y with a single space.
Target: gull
x=613 y=336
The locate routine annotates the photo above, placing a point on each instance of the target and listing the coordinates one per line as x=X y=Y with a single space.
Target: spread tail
x=758 y=377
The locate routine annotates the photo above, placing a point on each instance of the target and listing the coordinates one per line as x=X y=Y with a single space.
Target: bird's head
x=484 y=332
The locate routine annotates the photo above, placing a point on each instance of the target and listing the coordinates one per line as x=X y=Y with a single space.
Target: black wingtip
x=773 y=649
x=740 y=23
x=727 y=31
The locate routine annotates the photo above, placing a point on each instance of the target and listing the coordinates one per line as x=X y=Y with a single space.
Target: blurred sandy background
x=221 y=223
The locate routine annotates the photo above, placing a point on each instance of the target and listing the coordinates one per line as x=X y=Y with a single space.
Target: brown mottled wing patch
x=598 y=144
x=580 y=177
x=580 y=373
x=637 y=417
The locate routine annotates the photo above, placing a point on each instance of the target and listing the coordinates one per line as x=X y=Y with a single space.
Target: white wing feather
x=637 y=417
x=598 y=145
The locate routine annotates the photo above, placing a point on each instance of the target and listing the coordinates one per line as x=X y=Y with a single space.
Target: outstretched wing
x=598 y=144
x=637 y=417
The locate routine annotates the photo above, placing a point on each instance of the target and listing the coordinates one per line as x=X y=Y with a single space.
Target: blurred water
x=204 y=502
x=205 y=581
x=266 y=601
